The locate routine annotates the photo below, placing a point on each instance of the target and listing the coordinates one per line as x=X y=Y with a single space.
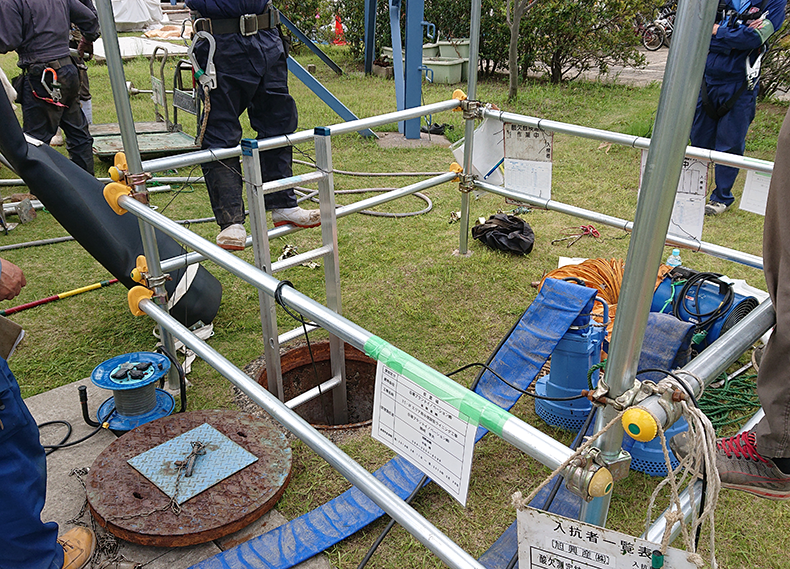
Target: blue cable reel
x=136 y=400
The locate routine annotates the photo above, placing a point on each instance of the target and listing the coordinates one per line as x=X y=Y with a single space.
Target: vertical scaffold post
x=251 y=163
x=469 y=129
x=123 y=110
x=326 y=199
x=679 y=92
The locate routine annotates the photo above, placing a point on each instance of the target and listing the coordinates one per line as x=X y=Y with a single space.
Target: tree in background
x=570 y=37
x=775 y=68
x=514 y=12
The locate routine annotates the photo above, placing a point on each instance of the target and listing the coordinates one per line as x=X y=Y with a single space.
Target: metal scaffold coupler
x=472 y=109
x=466 y=183
x=587 y=475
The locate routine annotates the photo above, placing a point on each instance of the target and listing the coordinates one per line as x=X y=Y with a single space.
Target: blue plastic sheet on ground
x=518 y=359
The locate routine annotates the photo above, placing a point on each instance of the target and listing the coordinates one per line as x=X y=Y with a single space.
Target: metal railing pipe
x=523 y=436
x=314 y=392
x=183 y=260
x=640 y=142
x=202 y=156
x=444 y=548
x=123 y=111
x=719 y=355
x=601 y=218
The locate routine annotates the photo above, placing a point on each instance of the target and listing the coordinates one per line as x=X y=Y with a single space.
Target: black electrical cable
x=704 y=318
x=278 y=298
x=390 y=525
x=63 y=444
x=515 y=388
x=686 y=387
x=57 y=422
x=182 y=378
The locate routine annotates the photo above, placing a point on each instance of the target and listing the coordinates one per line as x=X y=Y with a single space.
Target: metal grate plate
x=222 y=458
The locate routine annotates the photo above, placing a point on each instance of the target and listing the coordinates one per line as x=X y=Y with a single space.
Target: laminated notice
x=431 y=434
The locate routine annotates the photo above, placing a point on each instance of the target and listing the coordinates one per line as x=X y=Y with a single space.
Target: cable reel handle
x=206 y=77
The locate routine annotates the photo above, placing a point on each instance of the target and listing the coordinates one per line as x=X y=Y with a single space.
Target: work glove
x=85 y=49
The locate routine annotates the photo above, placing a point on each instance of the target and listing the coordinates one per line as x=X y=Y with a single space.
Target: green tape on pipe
x=471 y=406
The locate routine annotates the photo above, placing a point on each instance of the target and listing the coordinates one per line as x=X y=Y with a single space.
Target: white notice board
x=688 y=214
x=755 y=192
x=549 y=541
x=424 y=430
x=528 y=160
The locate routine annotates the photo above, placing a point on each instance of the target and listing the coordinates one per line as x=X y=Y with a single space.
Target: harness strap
x=717 y=112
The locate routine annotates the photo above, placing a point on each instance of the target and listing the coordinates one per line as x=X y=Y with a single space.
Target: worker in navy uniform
x=25 y=541
x=252 y=75
x=38 y=30
x=727 y=100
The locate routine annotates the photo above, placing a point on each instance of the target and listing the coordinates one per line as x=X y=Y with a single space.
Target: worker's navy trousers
x=727 y=134
x=252 y=75
x=25 y=542
x=41 y=118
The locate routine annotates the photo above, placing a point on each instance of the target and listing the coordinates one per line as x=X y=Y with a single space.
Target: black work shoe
x=740 y=466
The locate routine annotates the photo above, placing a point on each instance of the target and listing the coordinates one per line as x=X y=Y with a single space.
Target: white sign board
x=549 y=541
x=755 y=192
x=528 y=160
x=688 y=214
x=425 y=430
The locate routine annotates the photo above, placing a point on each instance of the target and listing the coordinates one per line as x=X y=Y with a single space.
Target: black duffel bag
x=505 y=233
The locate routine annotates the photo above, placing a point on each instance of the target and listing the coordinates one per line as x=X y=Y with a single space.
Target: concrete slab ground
x=66 y=496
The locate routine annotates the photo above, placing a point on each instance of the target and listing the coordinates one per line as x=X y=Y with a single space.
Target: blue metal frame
x=310 y=44
x=324 y=94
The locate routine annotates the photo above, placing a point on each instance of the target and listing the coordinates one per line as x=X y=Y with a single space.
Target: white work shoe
x=296 y=216
x=232 y=238
x=715 y=208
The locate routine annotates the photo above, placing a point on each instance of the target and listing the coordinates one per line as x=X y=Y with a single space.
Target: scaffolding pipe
x=718 y=356
x=526 y=438
x=629 y=140
x=601 y=218
x=444 y=548
x=469 y=126
x=190 y=258
x=202 y=156
x=676 y=105
x=123 y=111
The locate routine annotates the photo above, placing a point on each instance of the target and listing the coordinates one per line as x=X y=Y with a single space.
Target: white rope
x=700 y=461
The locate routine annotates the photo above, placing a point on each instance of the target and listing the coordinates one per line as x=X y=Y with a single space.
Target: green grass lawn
x=401 y=281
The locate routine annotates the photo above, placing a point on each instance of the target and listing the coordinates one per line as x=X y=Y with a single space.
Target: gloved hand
x=85 y=49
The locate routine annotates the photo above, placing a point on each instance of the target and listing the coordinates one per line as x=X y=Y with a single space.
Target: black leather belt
x=246 y=25
x=58 y=63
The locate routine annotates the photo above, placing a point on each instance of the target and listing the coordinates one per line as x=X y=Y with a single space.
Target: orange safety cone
x=340 y=38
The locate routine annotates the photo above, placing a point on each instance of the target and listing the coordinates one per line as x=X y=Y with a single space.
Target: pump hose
x=704 y=318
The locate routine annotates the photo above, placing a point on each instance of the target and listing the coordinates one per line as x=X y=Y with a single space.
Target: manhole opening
x=299 y=376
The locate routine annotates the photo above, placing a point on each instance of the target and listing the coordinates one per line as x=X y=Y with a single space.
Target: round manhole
x=299 y=375
x=130 y=506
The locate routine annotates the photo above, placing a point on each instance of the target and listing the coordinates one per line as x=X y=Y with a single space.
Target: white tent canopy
x=137 y=14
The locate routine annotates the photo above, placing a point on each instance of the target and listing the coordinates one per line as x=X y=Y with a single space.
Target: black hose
x=182 y=378
x=704 y=319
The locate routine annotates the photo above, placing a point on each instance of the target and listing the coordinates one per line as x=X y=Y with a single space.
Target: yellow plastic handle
x=135 y=295
x=601 y=483
x=640 y=424
x=112 y=192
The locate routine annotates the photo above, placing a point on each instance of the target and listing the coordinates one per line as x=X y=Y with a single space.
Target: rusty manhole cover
x=132 y=508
